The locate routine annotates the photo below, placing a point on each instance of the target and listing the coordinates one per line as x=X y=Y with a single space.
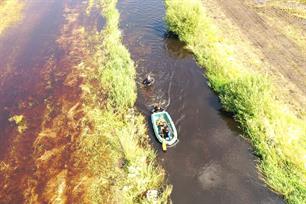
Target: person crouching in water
x=148 y=81
x=157 y=108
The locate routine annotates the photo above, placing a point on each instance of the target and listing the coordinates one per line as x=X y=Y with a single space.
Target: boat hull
x=172 y=139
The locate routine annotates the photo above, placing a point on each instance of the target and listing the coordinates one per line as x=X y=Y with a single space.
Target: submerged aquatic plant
x=20 y=122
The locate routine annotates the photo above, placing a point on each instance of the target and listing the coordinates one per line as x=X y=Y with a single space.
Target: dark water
x=211 y=163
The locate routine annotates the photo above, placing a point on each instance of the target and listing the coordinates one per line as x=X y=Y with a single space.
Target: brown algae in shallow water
x=86 y=126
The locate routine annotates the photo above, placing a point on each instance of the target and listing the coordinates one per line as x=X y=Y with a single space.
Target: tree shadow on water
x=175 y=47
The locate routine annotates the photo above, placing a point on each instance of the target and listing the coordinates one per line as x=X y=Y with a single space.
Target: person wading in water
x=148 y=81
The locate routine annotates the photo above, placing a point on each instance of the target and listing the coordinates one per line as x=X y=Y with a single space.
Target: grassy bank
x=121 y=164
x=276 y=132
x=10 y=13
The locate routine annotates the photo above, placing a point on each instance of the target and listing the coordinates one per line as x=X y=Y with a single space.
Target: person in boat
x=166 y=132
x=148 y=80
x=164 y=129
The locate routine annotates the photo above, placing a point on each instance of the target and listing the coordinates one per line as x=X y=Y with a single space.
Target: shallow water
x=211 y=163
x=33 y=70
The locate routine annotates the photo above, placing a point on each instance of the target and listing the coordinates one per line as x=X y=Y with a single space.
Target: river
x=212 y=163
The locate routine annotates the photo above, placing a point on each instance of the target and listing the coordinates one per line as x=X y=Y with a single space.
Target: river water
x=33 y=71
x=212 y=163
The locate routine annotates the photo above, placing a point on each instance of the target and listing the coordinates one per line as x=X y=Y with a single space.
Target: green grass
x=277 y=134
x=120 y=160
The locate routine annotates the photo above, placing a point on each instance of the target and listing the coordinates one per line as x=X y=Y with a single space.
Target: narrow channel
x=212 y=163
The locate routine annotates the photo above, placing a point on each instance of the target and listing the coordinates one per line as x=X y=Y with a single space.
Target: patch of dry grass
x=287 y=17
x=10 y=13
x=296 y=8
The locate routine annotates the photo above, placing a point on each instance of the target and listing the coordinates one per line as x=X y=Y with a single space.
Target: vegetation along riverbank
x=116 y=143
x=272 y=117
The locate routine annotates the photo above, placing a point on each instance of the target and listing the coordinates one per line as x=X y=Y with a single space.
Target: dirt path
x=283 y=54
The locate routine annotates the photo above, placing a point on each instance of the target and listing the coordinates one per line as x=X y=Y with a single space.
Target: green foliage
x=187 y=21
x=118 y=76
x=247 y=97
x=278 y=135
x=116 y=69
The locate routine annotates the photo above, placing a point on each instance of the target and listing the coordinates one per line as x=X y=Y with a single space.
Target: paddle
x=164 y=145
